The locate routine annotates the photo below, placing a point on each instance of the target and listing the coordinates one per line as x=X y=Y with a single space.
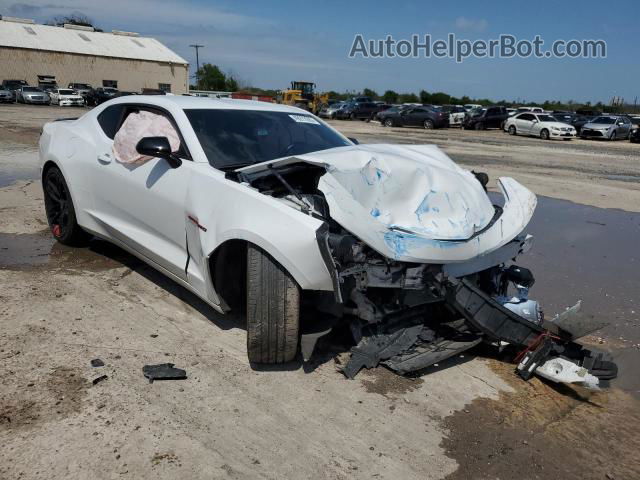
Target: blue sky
x=268 y=44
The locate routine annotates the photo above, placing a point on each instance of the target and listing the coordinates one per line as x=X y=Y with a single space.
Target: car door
x=141 y=205
x=415 y=117
x=524 y=122
x=625 y=128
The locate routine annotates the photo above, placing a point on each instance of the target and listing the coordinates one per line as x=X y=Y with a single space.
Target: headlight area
x=410 y=316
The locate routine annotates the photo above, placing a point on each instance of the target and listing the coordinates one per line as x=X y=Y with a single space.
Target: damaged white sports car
x=266 y=208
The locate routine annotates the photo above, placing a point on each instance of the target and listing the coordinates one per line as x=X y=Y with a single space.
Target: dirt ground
x=468 y=418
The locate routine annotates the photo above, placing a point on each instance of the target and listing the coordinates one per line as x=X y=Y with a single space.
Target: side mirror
x=158 y=147
x=354 y=140
x=534 y=121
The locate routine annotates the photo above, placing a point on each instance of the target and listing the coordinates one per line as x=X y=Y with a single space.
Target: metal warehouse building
x=44 y=55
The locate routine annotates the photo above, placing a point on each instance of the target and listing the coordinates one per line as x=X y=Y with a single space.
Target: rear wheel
x=60 y=211
x=544 y=134
x=352 y=116
x=428 y=124
x=388 y=122
x=512 y=130
x=273 y=309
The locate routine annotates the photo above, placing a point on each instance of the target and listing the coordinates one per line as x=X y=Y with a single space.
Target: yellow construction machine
x=303 y=95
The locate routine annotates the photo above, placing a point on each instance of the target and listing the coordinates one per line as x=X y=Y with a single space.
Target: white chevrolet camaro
x=539 y=125
x=266 y=209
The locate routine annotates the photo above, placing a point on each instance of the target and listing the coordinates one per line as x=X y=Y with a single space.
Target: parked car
x=330 y=111
x=254 y=207
x=358 y=111
x=81 y=88
x=421 y=116
x=635 y=120
x=100 y=95
x=14 y=85
x=6 y=96
x=529 y=109
x=492 y=117
x=393 y=109
x=512 y=111
x=634 y=136
x=471 y=106
x=610 y=127
x=66 y=97
x=456 y=114
x=576 y=121
x=33 y=95
x=539 y=125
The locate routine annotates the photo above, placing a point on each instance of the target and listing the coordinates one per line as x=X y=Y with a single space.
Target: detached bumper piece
x=554 y=357
x=408 y=344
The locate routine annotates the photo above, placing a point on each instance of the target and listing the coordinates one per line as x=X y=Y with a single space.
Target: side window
x=527 y=117
x=110 y=83
x=109 y=120
x=492 y=111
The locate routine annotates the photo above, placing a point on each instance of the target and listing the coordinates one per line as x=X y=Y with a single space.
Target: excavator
x=303 y=95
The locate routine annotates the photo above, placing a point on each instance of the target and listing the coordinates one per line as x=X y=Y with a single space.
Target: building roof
x=84 y=41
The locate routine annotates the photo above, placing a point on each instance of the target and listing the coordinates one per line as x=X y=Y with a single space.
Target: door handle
x=104 y=158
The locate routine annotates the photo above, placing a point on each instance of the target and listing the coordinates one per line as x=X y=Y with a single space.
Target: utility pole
x=197 y=47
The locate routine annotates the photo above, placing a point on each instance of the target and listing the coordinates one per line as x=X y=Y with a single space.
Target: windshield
x=31 y=89
x=546 y=118
x=236 y=138
x=65 y=92
x=605 y=120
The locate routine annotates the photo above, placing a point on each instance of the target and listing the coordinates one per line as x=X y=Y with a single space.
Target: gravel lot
x=470 y=418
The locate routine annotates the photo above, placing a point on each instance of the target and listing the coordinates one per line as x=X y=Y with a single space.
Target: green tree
x=425 y=97
x=440 y=98
x=390 y=96
x=210 y=77
x=231 y=84
x=367 y=92
x=408 y=98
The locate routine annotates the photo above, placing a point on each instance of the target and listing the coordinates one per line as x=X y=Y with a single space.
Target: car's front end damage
x=422 y=261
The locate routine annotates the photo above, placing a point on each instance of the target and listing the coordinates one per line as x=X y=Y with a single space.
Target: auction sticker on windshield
x=304 y=119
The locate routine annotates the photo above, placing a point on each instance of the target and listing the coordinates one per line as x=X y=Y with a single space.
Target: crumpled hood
x=415 y=189
x=413 y=203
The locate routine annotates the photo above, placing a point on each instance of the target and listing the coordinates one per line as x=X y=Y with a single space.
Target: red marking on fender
x=56 y=230
x=194 y=220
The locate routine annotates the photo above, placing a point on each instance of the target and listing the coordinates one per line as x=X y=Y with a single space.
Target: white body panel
x=524 y=126
x=410 y=203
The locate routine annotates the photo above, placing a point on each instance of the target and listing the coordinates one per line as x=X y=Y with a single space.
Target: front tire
x=479 y=126
x=61 y=214
x=544 y=134
x=388 y=122
x=512 y=130
x=613 y=135
x=273 y=309
x=428 y=125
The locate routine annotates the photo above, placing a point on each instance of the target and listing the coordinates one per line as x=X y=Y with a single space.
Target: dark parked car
x=412 y=116
x=12 y=86
x=491 y=117
x=100 y=95
x=634 y=136
x=358 y=110
x=576 y=121
x=81 y=88
x=391 y=110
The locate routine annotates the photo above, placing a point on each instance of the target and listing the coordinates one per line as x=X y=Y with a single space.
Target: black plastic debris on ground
x=163 y=371
x=96 y=362
x=99 y=379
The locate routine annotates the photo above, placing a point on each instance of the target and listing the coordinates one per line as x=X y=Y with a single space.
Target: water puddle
x=39 y=251
x=18 y=162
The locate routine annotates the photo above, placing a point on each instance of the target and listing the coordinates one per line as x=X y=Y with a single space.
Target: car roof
x=185 y=102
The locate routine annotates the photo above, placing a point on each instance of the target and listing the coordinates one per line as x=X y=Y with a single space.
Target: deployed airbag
x=136 y=127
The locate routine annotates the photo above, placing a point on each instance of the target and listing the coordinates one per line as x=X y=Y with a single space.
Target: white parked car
x=266 y=209
x=539 y=125
x=66 y=96
x=472 y=106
